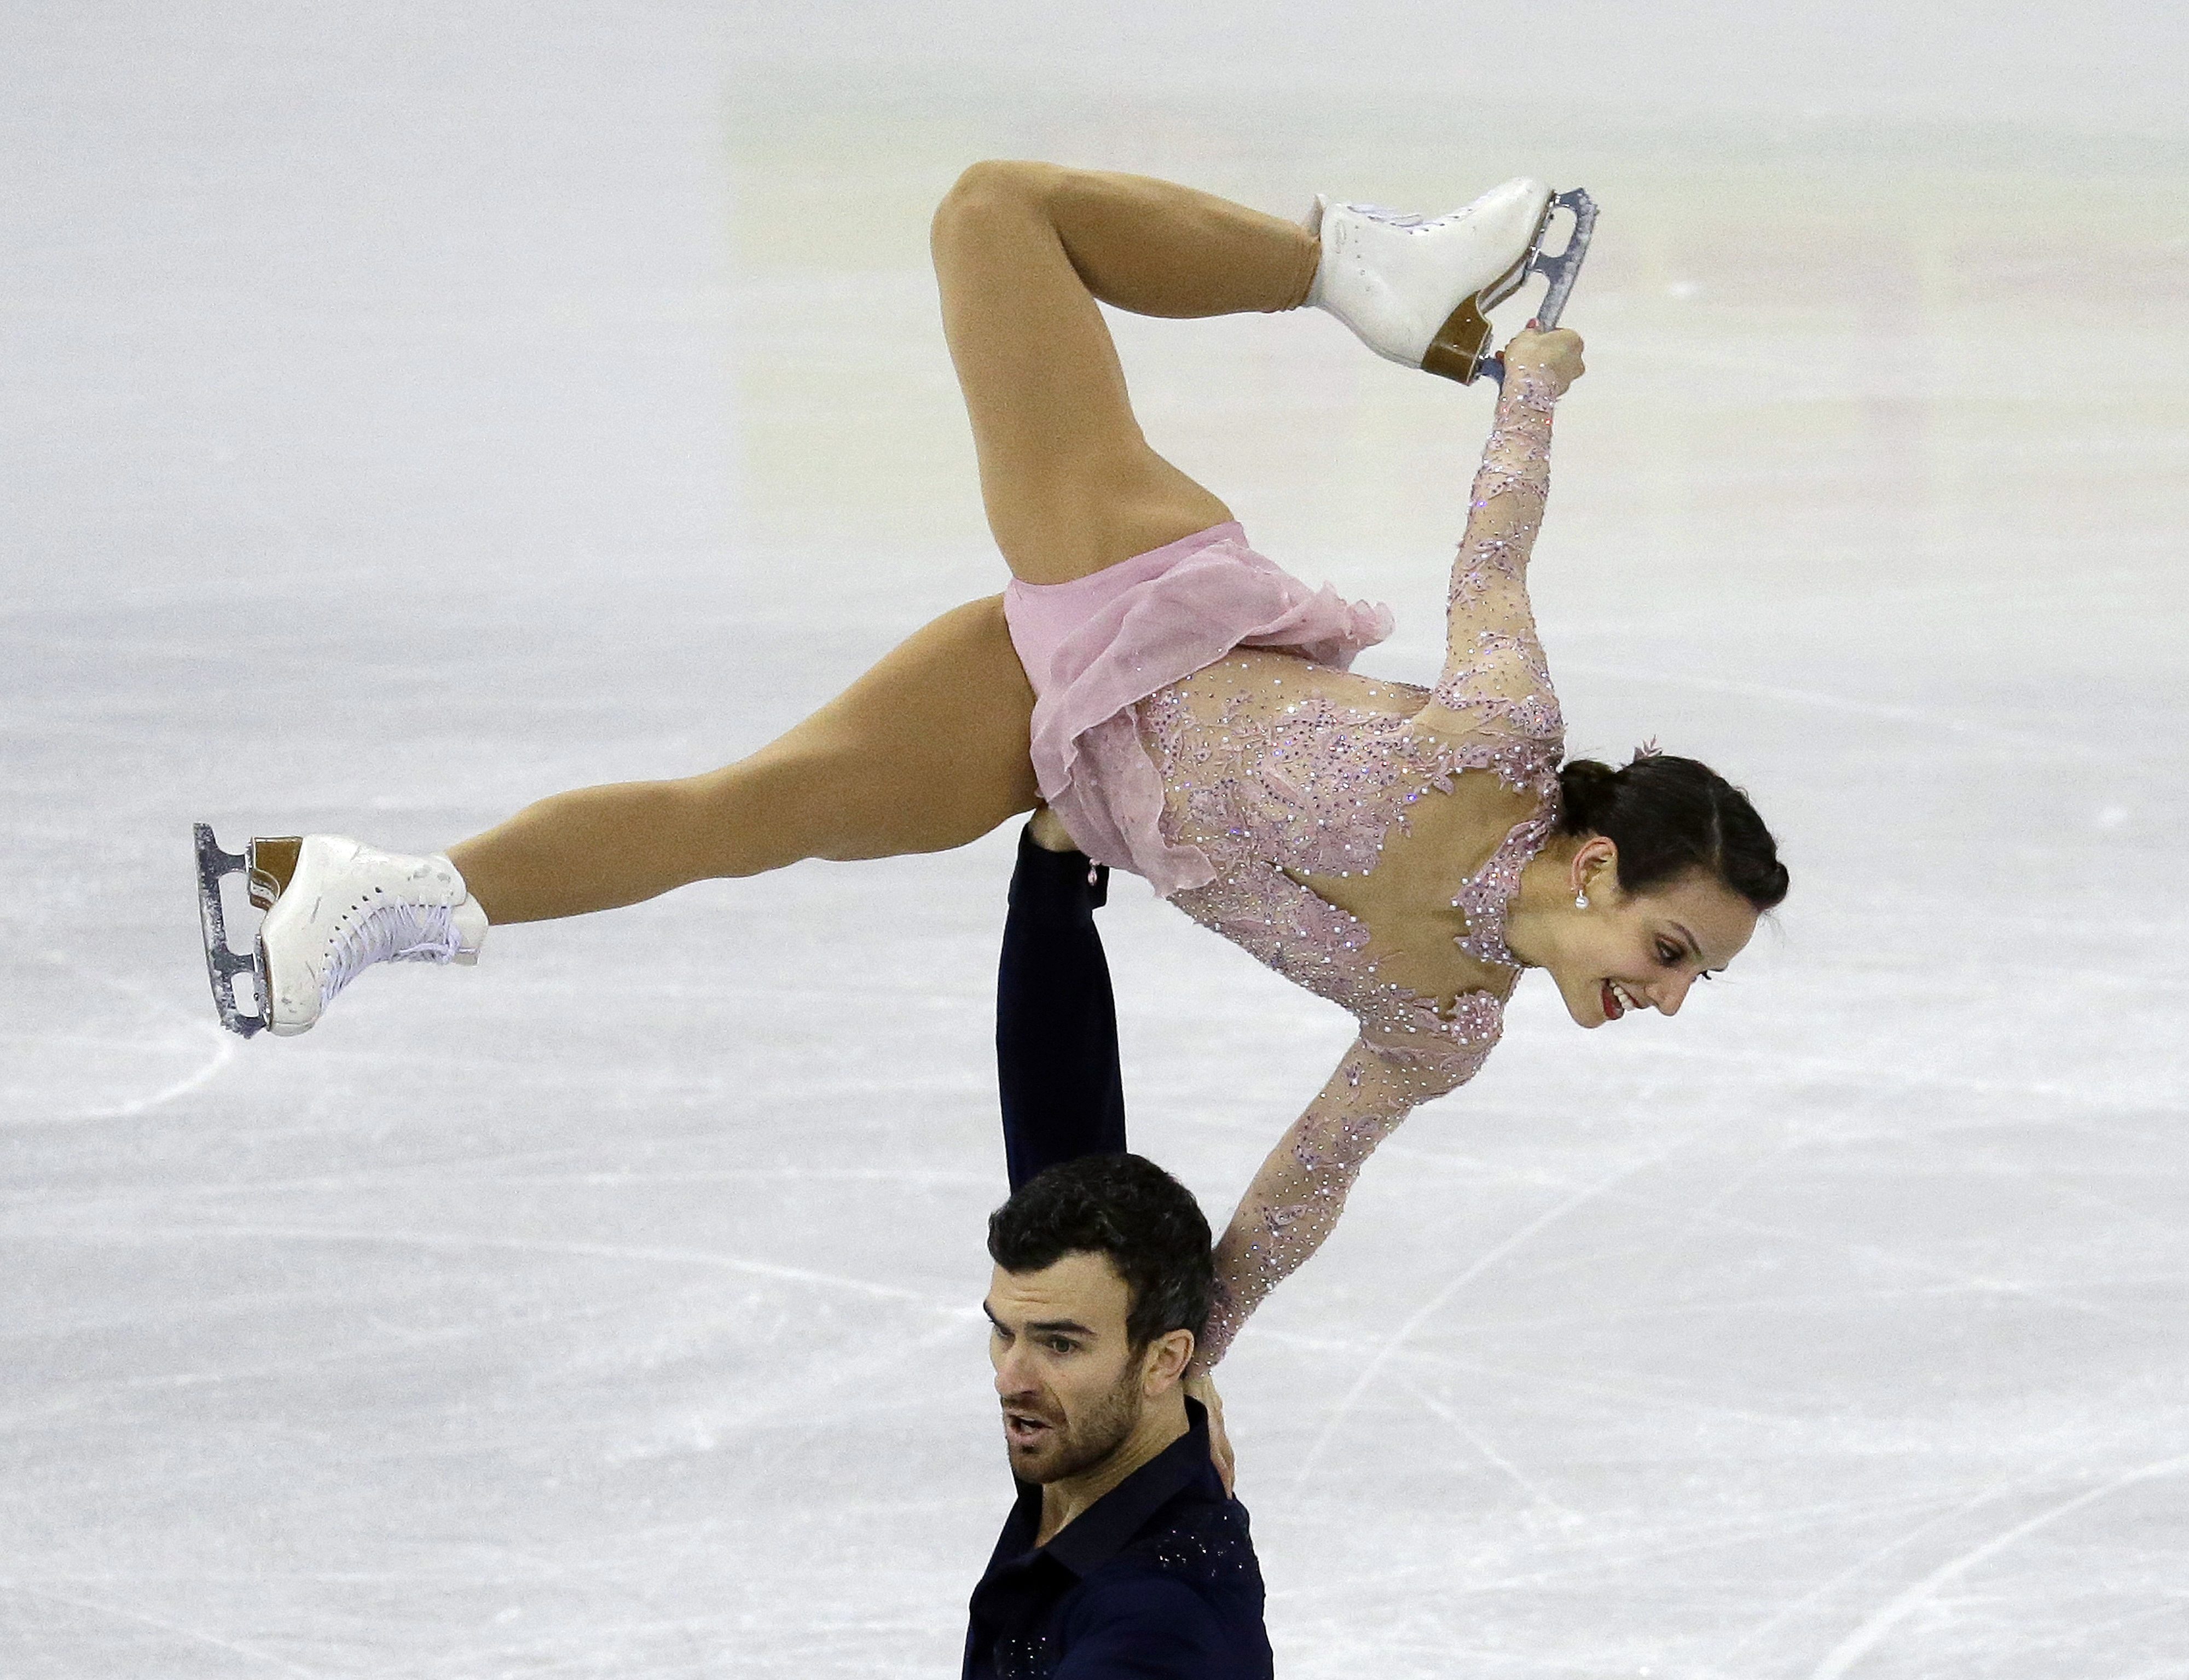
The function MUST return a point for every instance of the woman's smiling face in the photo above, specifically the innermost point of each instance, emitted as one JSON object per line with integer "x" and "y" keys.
{"x": 1627, "y": 951}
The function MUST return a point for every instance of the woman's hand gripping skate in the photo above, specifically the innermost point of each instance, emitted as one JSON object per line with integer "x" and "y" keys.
{"x": 1555, "y": 354}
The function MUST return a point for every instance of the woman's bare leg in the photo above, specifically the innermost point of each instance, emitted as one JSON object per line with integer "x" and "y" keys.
{"x": 1022, "y": 250}
{"x": 928, "y": 751}
{"x": 925, "y": 752}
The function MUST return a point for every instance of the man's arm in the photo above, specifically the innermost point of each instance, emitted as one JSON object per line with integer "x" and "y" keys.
{"x": 1056, "y": 1021}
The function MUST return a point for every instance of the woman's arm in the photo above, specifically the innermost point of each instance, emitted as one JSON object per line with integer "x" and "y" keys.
{"x": 1295, "y": 1199}
{"x": 1494, "y": 676}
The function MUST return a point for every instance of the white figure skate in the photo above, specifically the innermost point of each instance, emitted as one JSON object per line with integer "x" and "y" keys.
{"x": 334, "y": 908}
{"x": 1419, "y": 292}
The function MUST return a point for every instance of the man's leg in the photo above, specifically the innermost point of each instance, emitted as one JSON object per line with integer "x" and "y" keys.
{"x": 1056, "y": 1022}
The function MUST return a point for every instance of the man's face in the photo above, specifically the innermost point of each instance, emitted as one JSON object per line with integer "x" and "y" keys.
{"x": 1072, "y": 1387}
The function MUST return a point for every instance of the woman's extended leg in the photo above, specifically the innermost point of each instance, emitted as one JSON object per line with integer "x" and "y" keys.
{"x": 1022, "y": 250}
{"x": 925, "y": 752}
{"x": 928, "y": 751}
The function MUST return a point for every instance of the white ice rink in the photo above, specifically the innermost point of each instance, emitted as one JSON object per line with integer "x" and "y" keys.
{"x": 407, "y": 411}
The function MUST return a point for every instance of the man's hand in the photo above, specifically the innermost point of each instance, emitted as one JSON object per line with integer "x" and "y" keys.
{"x": 1049, "y": 833}
{"x": 1203, "y": 1387}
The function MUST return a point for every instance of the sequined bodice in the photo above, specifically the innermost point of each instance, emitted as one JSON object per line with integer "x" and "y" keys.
{"x": 1275, "y": 769}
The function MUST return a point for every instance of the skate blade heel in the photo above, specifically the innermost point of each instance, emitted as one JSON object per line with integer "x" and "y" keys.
{"x": 223, "y": 961}
{"x": 272, "y": 865}
{"x": 1456, "y": 352}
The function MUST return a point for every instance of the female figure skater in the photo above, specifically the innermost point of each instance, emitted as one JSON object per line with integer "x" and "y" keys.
{"x": 1181, "y": 706}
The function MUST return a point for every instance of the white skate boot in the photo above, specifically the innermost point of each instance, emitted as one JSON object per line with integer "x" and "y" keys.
{"x": 334, "y": 908}
{"x": 1419, "y": 292}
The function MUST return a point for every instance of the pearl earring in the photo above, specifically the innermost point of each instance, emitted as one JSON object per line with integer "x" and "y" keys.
{"x": 1580, "y": 900}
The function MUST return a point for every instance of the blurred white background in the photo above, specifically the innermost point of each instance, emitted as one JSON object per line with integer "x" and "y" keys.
{"x": 409, "y": 411}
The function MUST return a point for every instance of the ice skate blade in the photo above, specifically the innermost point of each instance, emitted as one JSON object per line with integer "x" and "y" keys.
{"x": 223, "y": 961}
{"x": 1563, "y": 268}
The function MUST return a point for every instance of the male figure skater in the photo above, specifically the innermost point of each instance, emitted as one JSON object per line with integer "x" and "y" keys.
{"x": 1124, "y": 1555}
{"x": 1056, "y": 1031}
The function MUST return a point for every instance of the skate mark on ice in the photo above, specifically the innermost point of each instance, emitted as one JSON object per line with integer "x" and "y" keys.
{"x": 1929, "y": 1279}
{"x": 2085, "y": 1093}
{"x": 1944, "y": 1280}
{"x": 386, "y": 1338}
{"x": 1937, "y": 1518}
{"x": 1712, "y": 1216}
{"x": 1629, "y": 1393}
{"x": 1774, "y": 612}
{"x": 197, "y": 1635}
{"x": 1881, "y": 710}
{"x": 594, "y": 1251}
{"x": 1429, "y": 1309}
{"x": 485, "y": 1172}
{"x": 896, "y": 1178}
{"x": 182, "y": 1031}
{"x": 206, "y": 1073}
{"x": 1513, "y": 1472}
{"x": 1640, "y": 1392}
{"x": 1590, "y": 1553}
{"x": 1856, "y": 1645}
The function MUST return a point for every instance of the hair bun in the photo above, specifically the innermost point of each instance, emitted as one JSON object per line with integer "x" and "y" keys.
{"x": 1668, "y": 815}
{"x": 1587, "y": 787}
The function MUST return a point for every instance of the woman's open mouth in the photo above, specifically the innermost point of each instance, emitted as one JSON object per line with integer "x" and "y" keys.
{"x": 1617, "y": 1000}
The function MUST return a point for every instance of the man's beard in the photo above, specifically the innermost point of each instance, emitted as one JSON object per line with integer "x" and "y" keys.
{"x": 1094, "y": 1437}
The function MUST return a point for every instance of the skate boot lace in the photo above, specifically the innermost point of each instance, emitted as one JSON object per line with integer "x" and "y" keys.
{"x": 388, "y": 933}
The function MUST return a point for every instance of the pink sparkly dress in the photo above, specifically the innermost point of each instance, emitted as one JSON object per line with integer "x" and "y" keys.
{"x": 1171, "y": 748}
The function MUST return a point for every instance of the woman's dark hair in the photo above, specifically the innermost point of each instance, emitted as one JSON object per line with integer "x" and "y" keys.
{"x": 1125, "y": 1206}
{"x": 1668, "y": 816}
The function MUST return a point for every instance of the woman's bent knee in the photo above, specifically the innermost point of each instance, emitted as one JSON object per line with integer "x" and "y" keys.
{"x": 993, "y": 191}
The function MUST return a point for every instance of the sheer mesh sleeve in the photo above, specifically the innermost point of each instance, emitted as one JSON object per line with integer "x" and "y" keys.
{"x": 1495, "y": 681}
{"x": 1296, "y": 1198}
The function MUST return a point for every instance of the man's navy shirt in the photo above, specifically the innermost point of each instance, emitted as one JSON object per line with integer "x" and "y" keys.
{"x": 1155, "y": 1579}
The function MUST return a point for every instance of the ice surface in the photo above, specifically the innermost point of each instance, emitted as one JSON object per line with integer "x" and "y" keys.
{"x": 409, "y": 412}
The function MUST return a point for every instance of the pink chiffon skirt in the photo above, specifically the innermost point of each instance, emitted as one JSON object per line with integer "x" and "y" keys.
{"x": 1095, "y": 647}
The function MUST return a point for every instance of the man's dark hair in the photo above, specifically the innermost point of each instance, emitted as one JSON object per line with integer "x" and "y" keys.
{"x": 1125, "y": 1206}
